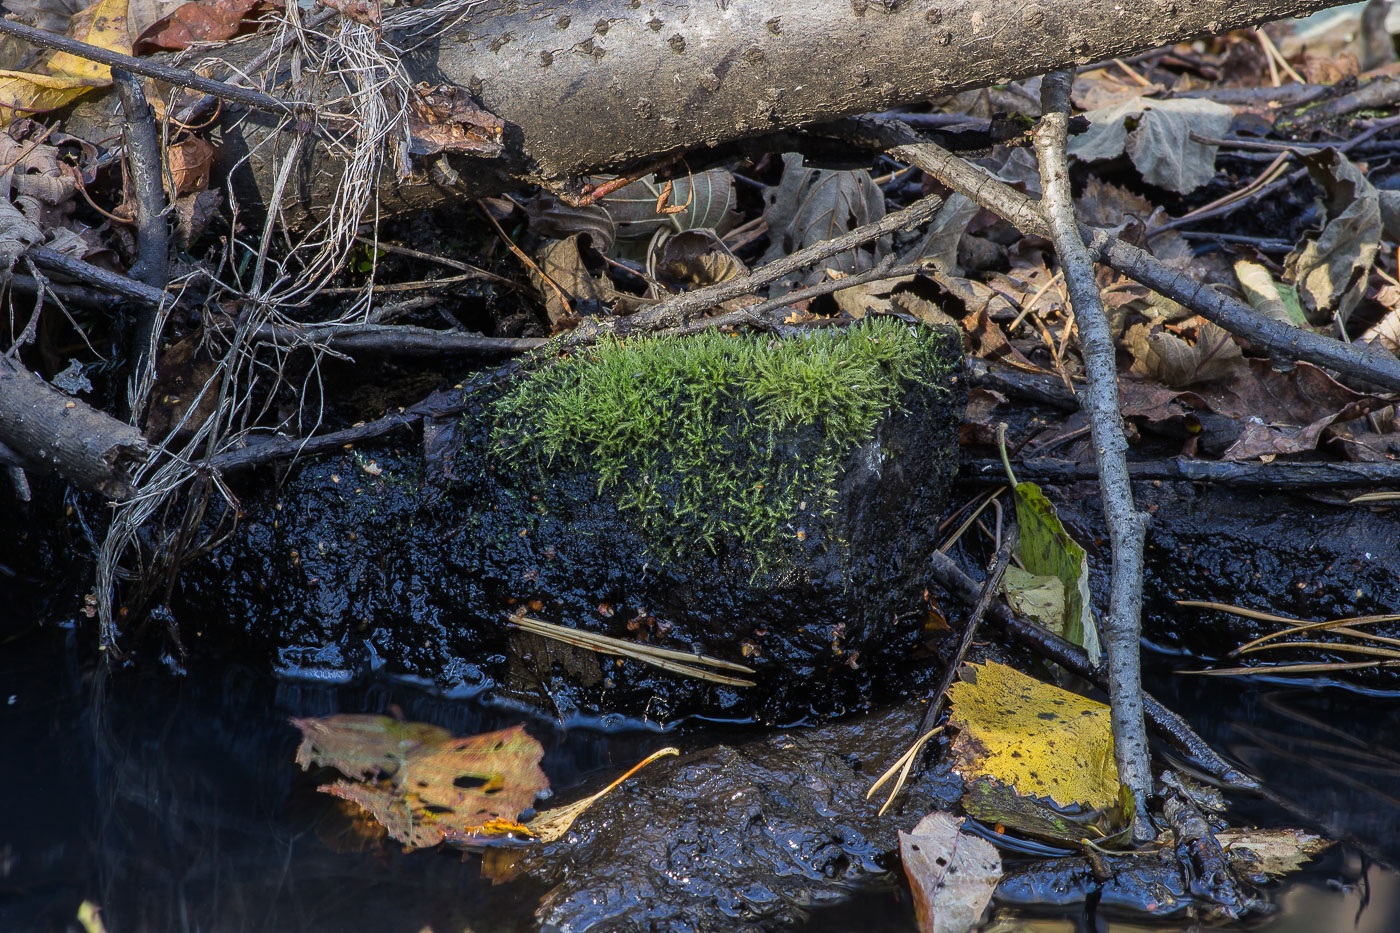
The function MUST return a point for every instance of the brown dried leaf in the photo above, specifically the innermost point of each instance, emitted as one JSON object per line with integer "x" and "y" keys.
{"x": 562, "y": 261}
{"x": 1331, "y": 269}
{"x": 989, "y": 343}
{"x": 1167, "y": 358}
{"x": 696, "y": 258}
{"x": 444, "y": 119}
{"x": 952, "y": 873}
{"x": 189, "y": 162}
{"x": 812, "y": 205}
{"x": 193, "y": 213}
{"x": 361, "y": 11}
{"x": 1261, "y": 440}
{"x": 202, "y": 21}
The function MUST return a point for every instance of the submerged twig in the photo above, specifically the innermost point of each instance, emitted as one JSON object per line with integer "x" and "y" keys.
{"x": 677, "y": 662}
{"x": 1127, "y": 526}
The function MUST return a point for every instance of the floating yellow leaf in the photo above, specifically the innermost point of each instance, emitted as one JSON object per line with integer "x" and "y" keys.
{"x": 363, "y": 746}
{"x": 1031, "y": 736}
{"x": 61, "y": 77}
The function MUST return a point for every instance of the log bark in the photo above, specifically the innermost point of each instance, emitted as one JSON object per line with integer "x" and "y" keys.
{"x": 594, "y": 85}
{"x": 51, "y": 432}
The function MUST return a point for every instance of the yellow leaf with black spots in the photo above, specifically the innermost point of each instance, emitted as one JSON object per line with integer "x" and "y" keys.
{"x": 1033, "y": 737}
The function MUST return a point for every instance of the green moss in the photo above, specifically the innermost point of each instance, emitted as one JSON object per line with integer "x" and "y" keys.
{"x": 715, "y": 439}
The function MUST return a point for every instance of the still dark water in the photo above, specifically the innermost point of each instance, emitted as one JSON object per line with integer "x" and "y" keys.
{"x": 173, "y": 803}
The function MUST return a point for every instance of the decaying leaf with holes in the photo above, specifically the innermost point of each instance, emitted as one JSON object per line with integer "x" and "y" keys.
{"x": 422, "y": 784}
{"x": 1033, "y": 737}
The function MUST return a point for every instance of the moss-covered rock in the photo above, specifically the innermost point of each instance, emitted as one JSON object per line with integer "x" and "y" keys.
{"x": 767, "y": 501}
{"x": 717, "y": 442}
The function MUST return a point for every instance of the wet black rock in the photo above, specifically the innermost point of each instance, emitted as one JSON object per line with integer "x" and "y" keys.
{"x": 367, "y": 559}
{"x": 746, "y": 837}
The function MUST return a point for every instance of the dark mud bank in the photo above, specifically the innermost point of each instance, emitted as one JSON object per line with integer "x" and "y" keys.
{"x": 786, "y": 531}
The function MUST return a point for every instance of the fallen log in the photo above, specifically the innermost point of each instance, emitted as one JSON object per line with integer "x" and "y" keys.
{"x": 595, "y": 85}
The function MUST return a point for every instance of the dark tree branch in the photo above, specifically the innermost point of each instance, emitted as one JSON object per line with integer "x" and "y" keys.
{"x": 55, "y": 433}
{"x": 655, "y": 80}
{"x": 1279, "y": 476}
{"x": 395, "y": 340}
{"x": 146, "y": 168}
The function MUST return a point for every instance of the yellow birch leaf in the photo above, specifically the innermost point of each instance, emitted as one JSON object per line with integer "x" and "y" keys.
{"x": 1032, "y": 736}
{"x": 420, "y": 783}
{"x": 23, "y": 93}
{"x": 102, "y": 24}
{"x": 61, "y": 76}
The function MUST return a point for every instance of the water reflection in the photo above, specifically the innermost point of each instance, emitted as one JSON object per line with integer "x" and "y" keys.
{"x": 173, "y": 803}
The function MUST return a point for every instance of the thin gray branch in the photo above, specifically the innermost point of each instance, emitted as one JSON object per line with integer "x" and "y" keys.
{"x": 1278, "y": 340}
{"x": 1127, "y": 526}
{"x": 677, "y": 310}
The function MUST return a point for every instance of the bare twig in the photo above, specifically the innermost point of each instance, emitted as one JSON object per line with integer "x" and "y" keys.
{"x": 394, "y": 340}
{"x": 675, "y": 311}
{"x": 1127, "y": 526}
{"x": 936, "y": 699}
{"x": 86, "y": 272}
{"x": 140, "y": 66}
{"x": 1199, "y": 851}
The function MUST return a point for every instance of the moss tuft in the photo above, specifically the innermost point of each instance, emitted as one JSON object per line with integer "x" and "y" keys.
{"x": 715, "y": 440}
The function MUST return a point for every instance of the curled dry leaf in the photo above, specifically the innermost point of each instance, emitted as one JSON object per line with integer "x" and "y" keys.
{"x": 1331, "y": 270}
{"x": 1160, "y": 142}
{"x": 1163, "y": 356}
{"x": 61, "y": 77}
{"x": 189, "y": 161}
{"x": 812, "y": 205}
{"x": 367, "y": 12}
{"x": 444, "y": 119}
